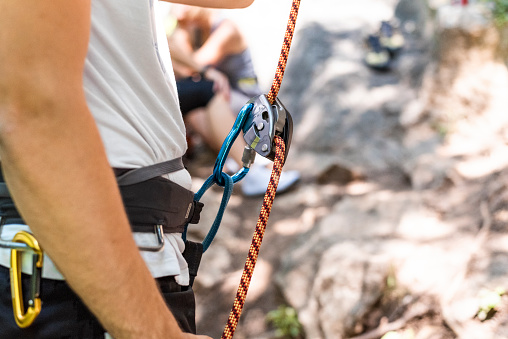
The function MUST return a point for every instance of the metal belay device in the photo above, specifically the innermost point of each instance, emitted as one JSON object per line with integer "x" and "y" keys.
{"x": 264, "y": 123}
{"x": 260, "y": 123}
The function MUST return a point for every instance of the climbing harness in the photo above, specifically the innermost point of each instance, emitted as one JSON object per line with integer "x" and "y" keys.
{"x": 153, "y": 205}
{"x": 267, "y": 129}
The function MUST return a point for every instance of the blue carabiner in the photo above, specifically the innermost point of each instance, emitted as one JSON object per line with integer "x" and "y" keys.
{"x": 228, "y": 190}
{"x": 226, "y": 147}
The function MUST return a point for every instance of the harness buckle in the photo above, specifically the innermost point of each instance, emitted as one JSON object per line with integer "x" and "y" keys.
{"x": 24, "y": 319}
{"x": 159, "y": 233}
{"x": 264, "y": 123}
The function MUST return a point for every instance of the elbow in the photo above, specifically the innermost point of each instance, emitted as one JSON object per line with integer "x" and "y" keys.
{"x": 232, "y": 4}
{"x": 23, "y": 102}
{"x": 245, "y": 3}
{"x": 13, "y": 113}
{"x": 8, "y": 109}
{"x": 248, "y": 3}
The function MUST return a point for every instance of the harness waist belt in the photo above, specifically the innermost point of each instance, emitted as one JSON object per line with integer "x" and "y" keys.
{"x": 148, "y": 198}
{"x": 159, "y": 201}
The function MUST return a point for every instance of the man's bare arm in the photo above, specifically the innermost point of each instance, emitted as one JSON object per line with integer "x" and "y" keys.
{"x": 215, "y": 3}
{"x": 56, "y": 168}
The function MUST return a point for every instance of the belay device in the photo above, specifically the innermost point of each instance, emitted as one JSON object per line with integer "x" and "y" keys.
{"x": 264, "y": 123}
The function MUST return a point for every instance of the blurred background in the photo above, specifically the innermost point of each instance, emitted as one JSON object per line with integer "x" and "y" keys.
{"x": 398, "y": 227}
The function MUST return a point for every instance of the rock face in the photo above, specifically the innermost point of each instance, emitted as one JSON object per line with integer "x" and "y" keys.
{"x": 394, "y": 125}
{"x": 399, "y": 222}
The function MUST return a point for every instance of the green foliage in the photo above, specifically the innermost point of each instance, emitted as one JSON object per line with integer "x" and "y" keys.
{"x": 499, "y": 10}
{"x": 442, "y": 127}
{"x": 408, "y": 334}
{"x": 285, "y": 321}
{"x": 391, "y": 280}
{"x": 391, "y": 335}
{"x": 489, "y": 301}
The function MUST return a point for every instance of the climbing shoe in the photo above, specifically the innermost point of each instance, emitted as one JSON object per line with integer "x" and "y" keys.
{"x": 377, "y": 56}
{"x": 390, "y": 37}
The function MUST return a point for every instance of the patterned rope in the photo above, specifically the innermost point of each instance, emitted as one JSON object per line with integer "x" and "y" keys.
{"x": 257, "y": 238}
{"x": 283, "y": 58}
{"x": 280, "y": 150}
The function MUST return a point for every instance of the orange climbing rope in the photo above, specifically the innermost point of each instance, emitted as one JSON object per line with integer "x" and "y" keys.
{"x": 283, "y": 58}
{"x": 257, "y": 238}
{"x": 280, "y": 150}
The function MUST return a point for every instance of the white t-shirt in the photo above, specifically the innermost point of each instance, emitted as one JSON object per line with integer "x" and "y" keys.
{"x": 131, "y": 92}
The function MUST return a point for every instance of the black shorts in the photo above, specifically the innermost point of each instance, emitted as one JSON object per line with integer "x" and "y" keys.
{"x": 63, "y": 315}
{"x": 194, "y": 93}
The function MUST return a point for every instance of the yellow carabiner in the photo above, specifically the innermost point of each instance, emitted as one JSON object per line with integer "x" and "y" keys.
{"x": 23, "y": 319}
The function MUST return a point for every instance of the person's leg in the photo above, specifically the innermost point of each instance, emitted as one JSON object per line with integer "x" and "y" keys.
{"x": 194, "y": 94}
{"x": 214, "y": 123}
{"x": 238, "y": 100}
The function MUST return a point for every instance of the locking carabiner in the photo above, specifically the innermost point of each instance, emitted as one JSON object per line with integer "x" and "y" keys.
{"x": 24, "y": 319}
{"x": 226, "y": 147}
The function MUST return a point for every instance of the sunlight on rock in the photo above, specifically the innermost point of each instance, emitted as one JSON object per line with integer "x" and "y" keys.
{"x": 465, "y": 17}
{"x": 433, "y": 268}
{"x": 339, "y": 67}
{"x": 499, "y": 243}
{"x": 468, "y": 143}
{"x": 360, "y": 188}
{"x": 423, "y": 225}
{"x": 309, "y": 123}
{"x": 291, "y": 226}
{"x": 350, "y": 49}
{"x": 311, "y": 216}
{"x": 502, "y": 216}
{"x": 213, "y": 266}
{"x": 311, "y": 197}
{"x": 481, "y": 166}
{"x": 465, "y": 309}
{"x": 377, "y": 11}
{"x": 235, "y": 200}
{"x": 356, "y": 96}
{"x": 378, "y": 96}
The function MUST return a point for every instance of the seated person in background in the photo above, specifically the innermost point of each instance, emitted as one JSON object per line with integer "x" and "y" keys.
{"x": 212, "y": 93}
{"x": 215, "y": 42}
